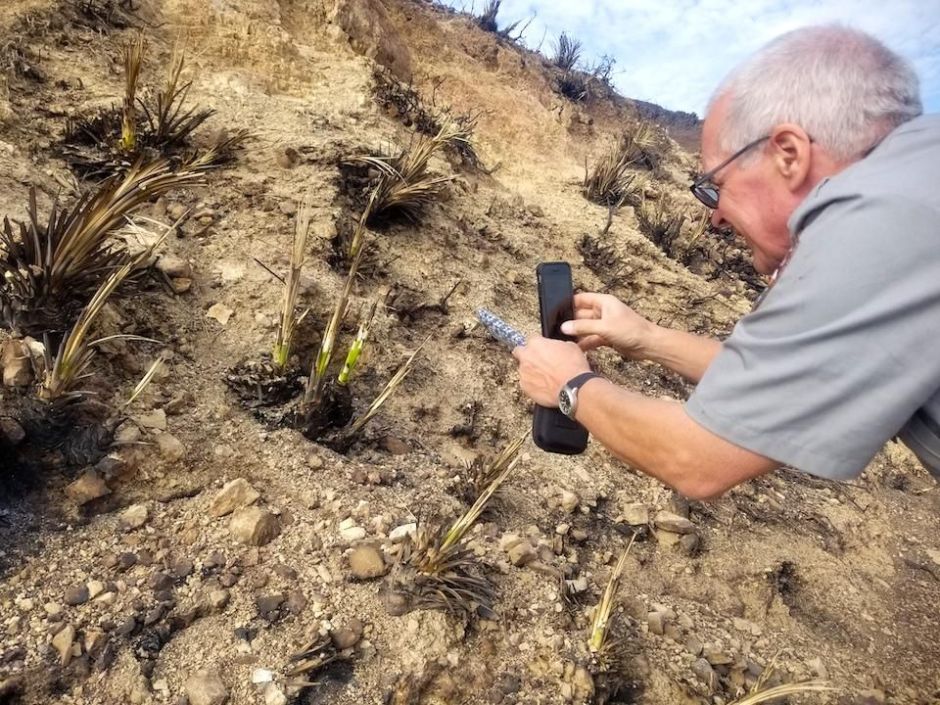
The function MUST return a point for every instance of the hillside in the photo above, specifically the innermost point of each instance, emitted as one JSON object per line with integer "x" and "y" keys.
{"x": 187, "y": 547}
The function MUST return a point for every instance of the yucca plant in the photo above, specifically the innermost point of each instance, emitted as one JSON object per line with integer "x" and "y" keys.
{"x": 484, "y": 472}
{"x": 613, "y": 181}
{"x": 661, "y": 222}
{"x": 487, "y": 20}
{"x": 782, "y": 691}
{"x": 169, "y": 122}
{"x": 567, "y": 52}
{"x": 441, "y": 570}
{"x": 317, "y": 653}
{"x": 290, "y": 318}
{"x": 51, "y": 270}
{"x": 133, "y": 56}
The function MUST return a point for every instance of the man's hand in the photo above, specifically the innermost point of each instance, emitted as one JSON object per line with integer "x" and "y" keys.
{"x": 545, "y": 366}
{"x": 603, "y": 320}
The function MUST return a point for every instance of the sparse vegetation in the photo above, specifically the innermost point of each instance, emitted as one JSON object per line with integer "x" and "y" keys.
{"x": 614, "y": 180}
{"x": 662, "y": 223}
{"x": 567, "y": 53}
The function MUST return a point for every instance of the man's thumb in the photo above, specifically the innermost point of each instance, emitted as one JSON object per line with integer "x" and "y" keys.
{"x": 583, "y": 327}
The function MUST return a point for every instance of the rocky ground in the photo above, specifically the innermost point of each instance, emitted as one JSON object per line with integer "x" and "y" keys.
{"x": 203, "y": 548}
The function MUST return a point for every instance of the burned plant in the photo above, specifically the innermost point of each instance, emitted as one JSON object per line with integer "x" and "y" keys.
{"x": 150, "y": 124}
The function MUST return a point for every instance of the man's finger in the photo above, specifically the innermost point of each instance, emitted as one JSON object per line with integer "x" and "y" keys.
{"x": 591, "y": 342}
{"x": 582, "y": 326}
{"x": 587, "y": 299}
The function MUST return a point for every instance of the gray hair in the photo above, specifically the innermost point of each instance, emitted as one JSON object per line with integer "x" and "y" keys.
{"x": 844, "y": 87}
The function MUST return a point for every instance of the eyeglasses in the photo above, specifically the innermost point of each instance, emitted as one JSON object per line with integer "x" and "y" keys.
{"x": 705, "y": 190}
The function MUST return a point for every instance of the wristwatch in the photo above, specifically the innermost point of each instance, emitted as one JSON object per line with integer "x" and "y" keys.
{"x": 568, "y": 396}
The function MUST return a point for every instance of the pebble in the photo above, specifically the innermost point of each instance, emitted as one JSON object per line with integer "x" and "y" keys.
{"x": 273, "y": 695}
{"x": 635, "y": 514}
{"x": 87, "y": 488}
{"x": 254, "y": 526}
{"x": 704, "y": 671}
{"x": 174, "y": 266}
{"x": 269, "y": 603}
{"x": 400, "y": 532}
{"x": 673, "y": 523}
{"x": 656, "y": 622}
{"x": 569, "y": 500}
{"x": 62, "y": 643}
{"x": 95, "y": 588}
{"x": 16, "y": 363}
{"x": 522, "y": 553}
{"x": 234, "y": 495}
{"x": 170, "y": 447}
{"x": 366, "y": 562}
{"x": 348, "y": 636}
{"x": 220, "y": 312}
{"x": 206, "y": 688}
{"x": 690, "y": 545}
{"x": 133, "y": 517}
{"x": 155, "y": 420}
{"x": 76, "y": 595}
{"x": 218, "y": 599}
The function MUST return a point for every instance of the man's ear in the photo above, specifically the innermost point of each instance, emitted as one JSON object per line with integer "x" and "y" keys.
{"x": 791, "y": 151}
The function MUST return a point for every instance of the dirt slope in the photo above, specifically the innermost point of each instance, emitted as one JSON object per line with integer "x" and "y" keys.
{"x": 833, "y": 580}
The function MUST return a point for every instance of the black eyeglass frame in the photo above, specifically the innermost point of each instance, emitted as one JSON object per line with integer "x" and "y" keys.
{"x": 705, "y": 190}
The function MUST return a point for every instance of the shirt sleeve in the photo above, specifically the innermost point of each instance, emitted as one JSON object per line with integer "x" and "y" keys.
{"x": 844, "y": 348}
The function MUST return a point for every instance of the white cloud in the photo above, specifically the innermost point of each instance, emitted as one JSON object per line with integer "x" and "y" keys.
{"x": 675, "y": 52}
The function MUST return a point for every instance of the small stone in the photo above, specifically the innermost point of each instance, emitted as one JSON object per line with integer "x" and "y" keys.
{"x": 218, "y": 599}
{"x": 87, "y": 488}
{"x": 569, "y": 500}
{"x": 155, "y": 420}
{"x": 220, "y": 312}
{"x": 17, "y": 364}
{"x": 170, "y": 447}
{"x": 690, "y": 545}
{"x": 705, "y": 673}
{"x": 400, "y": 532}
{"x": 269, "y": 603}
{"x": 11, "y": 430}
{"x": 348, "y": 636}
{"x": 635, "y": 514}
{"x": 673, "y": 522}
{"x": 694, "y": 645}
{"x": 182, "y": 568}
{"x": 133, "y": 517}
{"x": 287, "y": 158}
{"x": 174, "y": 266}
{"x": 180, "y": 285}
{"x": 234, "y": 495}
{"x": 62, "y": 643}
{"x": 667, "y": 538}
{"x": 395, "y": 446}
{"x": 206, "y": 688}
{"x": 126, "y": 434}
{"x": 296, "y": 602}
{"x": 273, "y": 695}
{"x": 366, "y": 562}
{"x": 76, "y": 595}
{"x": 254, "y": 526}
{"x": 160, "y": 581}
{"x": 656, "y": 622}
{"x": 715, "y": 656}
{"x": 522, "y": 554}
{"x": 582, "y": 685}
{"x": 349, "y": 531}
{"x": 95, "y": 588}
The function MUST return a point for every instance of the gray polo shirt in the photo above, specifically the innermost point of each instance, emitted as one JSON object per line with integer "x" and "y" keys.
{"x": 844, "y": 350}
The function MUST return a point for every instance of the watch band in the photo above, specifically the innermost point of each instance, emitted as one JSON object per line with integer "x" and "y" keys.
{"x": 576, "y": 382}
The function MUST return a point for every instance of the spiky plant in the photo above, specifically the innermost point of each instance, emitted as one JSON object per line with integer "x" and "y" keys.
{"x": 483, "y": 473}
{"x": 51, "y": 270}
{"x": 573, "y": 85}
{"x": 145, "y": 381}
{"x": 290, "y": 318}
{"x": 567, "y": 52}
{"x": 781, "y": 691}
{"x": 661, "y": 223}
{"x": 133, "y": 56}
{"x": 316, "y": 653}
{"x": 70, "y": 366}
{"x": 444, "y": 569}
{"x": 487, "y": 20}
{"x": 170, "y": 123}
{"x": 600, "y": 626}
{"x": 356, "y": 347}
{"x": 612, "y": 182}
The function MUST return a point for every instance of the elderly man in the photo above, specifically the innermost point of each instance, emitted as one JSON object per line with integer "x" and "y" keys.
{"x": 816, "y": 153}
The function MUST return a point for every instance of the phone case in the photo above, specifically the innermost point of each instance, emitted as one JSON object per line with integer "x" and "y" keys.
{"x": 552, "y": 431}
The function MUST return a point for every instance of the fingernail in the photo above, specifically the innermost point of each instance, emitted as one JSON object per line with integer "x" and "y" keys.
{"x": 567, "y": 327}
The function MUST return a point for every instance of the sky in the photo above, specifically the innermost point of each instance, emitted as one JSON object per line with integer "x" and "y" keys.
{"x": 675, "y": 52}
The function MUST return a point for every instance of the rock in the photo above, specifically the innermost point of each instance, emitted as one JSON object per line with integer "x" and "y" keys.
{"x": 370, "y": 32}
{"x": 126, "y": 434}
{"x": 181, "y": 568}
{"x": 690, "y": 545}
{"x": 220, "y": 312}
{"x": 206, "y": 688}
{"x": 656, "y": 622}
{"x": 218, "y": 599}
{"x": 582, "y": 685}
{"x": 400, "y": 532}
{"x": 254, "y": 526}
{"x": 715, "y": 656}
{"x": 234, "y": 495}
{"x": 170, "y": 447}
{"x": 62, "y": 643}
{"x": 296, "y": 602}
{"x": 155, "y": 420}
{"x": 76, "y": 595}
{"x": 180, "y": 285}
{"x": 273, "y": 695}
{"x": 668, "y": 521}
{"x": 133, "y": 517}
{"x": 348, "y": 636}
{"x": 287, "y": 158}
{"x": 705, "y": 673}
{"x": 522, "y": 553}
{"x": 635, "y": 514}
{"x": 174, "y": 266}
{"x": 87, "y": 488}
{"x": 667, "y": 538}
{"x": 694, "y": 645}
{"x": 395, "y": 446}
{"x": 366, "y": 562}
{"x": 349, "y": 531}
{"x": 569, "y": 500}
{"x": 17, "y": 364}
{"x": 11, "y": 431}
{"x": 95, "y": 588}
{"x": 269, "y": 603}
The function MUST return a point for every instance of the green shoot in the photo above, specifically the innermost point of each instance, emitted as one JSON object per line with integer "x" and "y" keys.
{"x": 355, "y": 350}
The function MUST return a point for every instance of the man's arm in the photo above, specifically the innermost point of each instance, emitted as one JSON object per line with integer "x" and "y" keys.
{"x": 603, "y": 320}
{"x": 684, "y": 353}
{"x": 657, "y": 437}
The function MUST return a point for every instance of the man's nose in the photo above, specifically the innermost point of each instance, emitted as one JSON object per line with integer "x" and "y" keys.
{"x": 718, "y": 220}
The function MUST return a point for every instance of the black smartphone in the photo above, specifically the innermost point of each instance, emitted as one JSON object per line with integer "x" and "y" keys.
{"x": 552, "y": 431}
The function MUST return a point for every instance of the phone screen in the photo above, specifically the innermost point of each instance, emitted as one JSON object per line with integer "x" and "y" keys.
{"x": 556, "y": 298}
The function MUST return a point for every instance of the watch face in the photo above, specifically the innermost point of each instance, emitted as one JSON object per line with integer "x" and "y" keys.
{"x": 564, "y": 402}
